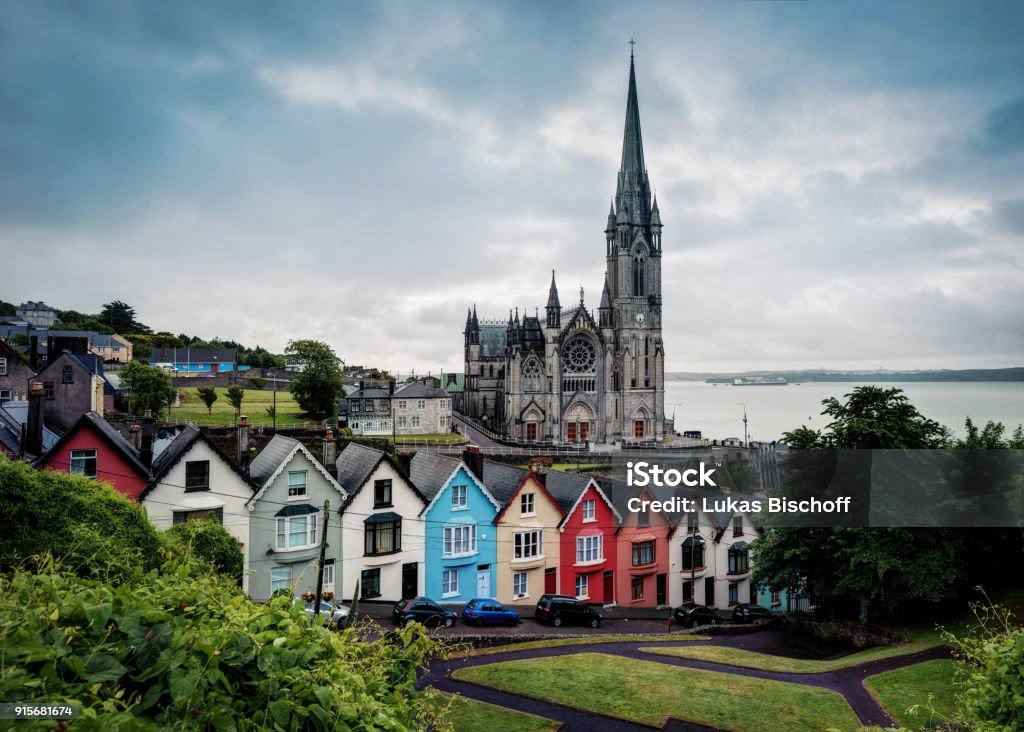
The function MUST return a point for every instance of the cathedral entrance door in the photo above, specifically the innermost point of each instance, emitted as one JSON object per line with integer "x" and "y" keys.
{"x": 570, "y": 432}
{"x": 584, "y": 429}
{"x": 531, "y": 432}
{"x": 638, "y": 429}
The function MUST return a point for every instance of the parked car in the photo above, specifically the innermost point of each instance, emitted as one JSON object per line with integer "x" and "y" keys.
{"x": 330, "y": 612}
{"x": 422, "y": 610}
{"x": 485, "y": 610}
{"x": 690, "y": 615}
{"x": 559, "y": 609}
{"x": 748, "y": 612}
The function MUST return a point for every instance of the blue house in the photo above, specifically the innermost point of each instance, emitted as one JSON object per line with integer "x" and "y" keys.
{"x": 461, "y": 551}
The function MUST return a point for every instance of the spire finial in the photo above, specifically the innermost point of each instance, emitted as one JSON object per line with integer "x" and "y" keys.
{"x": 581, "y": 293}
{"x": 631, "y": 44}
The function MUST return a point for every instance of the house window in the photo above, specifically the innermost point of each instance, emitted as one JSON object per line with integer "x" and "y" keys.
{"x": 737, "y": 526}
{"x": 415, "y": 421}
{"x": 527, "y": 506}
{"x": 691, "y": 523}
{"x": 3, "y": 367}
{"x": 527, "y": 544}
{"x": 280, "y": 579}
{"x": 590, "y": 510}
{"x": 197, "y": 475}
{"x": 582, "y": 587}
{"x": 381, "y": 493}
{"x": 401, "y": 404}
{"x": 687, "y": 591}
{"x": 520, "y": 587}
{"x": 48, "y": 389}
{"x": 693, "y": 556}
{"x": 5, "y": 396}
{"x": 589, "y": 549}
{"x": 643, "y": 553}
{"x": 68, "y": 375}
{"x": 734, "y": 593}
{"x": 83, "y": 462}
{"x": 328, "y": 572}
{"x": 738, "y": 562}
{"x": 642, "y": 517}
{"x": 459, "y": 497}
{"x": 776, "y": 597}
{"x": 459, "y": 541}
{"x": 369, "y": 582}
{"x": 421, "y": 404}
{"x": 401, "y": 421}
{"x": 449, "y": 583}
{"x": 382, "y": 537}
{"x": 355, "y": 406}
{"x": 636, "y": 588}
{"x": 297, "y": 484}
{"x": 296, "y": 532}
{"x": 216, "y": 514}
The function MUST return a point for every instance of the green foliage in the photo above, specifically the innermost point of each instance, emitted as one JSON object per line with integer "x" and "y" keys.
{"x": 317, "y": 387}
{"x": 991, "y": 677}
{"x": 209, "y": 541}
{"x": 149, "y": 387}
{"x": 121, "y": 317}
{"x": 7, "y": 308}
{"x": 236, "y": 395}
{"x": 95, "y": 529}
{"x": 258, "y": 382}
{"x": 209, "y": 395}
{"x": 180, "y": 649}
{"x": 74, "y": 320}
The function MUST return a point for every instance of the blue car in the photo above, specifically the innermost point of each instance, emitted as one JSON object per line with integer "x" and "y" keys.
{"x": 485, "y": 610}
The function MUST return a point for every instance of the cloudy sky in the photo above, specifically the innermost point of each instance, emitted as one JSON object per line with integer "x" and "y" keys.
{"x": 841, "y": 182}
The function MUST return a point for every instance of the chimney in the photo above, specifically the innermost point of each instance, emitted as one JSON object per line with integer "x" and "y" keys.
{"x": 362, "y": 385}
{"x": 33, "y": 353}
{"x": 541, "y": 478}
{"x": 135, "y": 433}
{"x": 34, "y": 434}
{"x": 474, "y": 460}
{"x": 405, "y": 463}
{"x": 330, "y": 450}
{"x": 391, "y": 387}
{"x": 243, "y": 440}
{"x": 146, "y": 442}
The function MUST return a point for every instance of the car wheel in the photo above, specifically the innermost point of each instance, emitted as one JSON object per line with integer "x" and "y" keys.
{"x": 448, "y": 622}
{"x": 594, "y": 622}
{"x": 513, "y": 623}
{"x": 478, "y": 623}
{"x": 557, "y": 622}
{"x": 714, "y": 621}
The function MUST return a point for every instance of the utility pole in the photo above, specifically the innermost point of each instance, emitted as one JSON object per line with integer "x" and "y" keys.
{"x": 741, "y": 404}
{"x": 274, "y": 377}
{"x": 320, "y": 567}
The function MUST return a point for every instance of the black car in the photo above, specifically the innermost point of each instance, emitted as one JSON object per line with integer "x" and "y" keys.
{"x": 688, "y": 616}
{"x": 748, "y": 612}
{"x": 558, "y": 609}
{"x": 422, "y": 610}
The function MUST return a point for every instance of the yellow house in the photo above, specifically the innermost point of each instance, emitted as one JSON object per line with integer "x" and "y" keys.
{"x": 527, "y": 534}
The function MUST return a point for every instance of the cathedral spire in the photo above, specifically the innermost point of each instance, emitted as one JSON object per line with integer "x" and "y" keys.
{"x": 553, "y": 293}
{"x": 553, "y": 311}
{"x": 606, "y": 295}
{"x": 633, "y": 192}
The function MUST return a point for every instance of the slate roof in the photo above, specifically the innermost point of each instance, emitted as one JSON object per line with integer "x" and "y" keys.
{"x": 420, "y": 390}
{"x": 430, "y": 471}
{"x": 270, "y": 458}
{"x": 369, "y": 394}
{"x": 170, "y": 454}
{"x": 193, "y": 355}
{"x": 12, "y": 416}
{"x": 503, "y": 480}
{"x": 110, "y": 434}
{"x": 355, "y": 464}
{"x": 565, "y": 488}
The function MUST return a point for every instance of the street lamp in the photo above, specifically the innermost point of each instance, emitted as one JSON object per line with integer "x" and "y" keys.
{"x": 741, "y": 404}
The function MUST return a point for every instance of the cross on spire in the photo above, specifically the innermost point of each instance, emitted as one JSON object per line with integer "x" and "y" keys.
{"x": 631, "y": 44}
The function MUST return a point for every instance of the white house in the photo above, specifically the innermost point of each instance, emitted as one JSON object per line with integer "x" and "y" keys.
{"x": 193, "y": 479}
{"x": 382, "y": 529}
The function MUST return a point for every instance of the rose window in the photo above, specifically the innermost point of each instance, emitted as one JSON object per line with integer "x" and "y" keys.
{"x": 579, "y": 356}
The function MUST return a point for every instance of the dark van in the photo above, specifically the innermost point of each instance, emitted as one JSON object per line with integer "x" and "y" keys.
{"x": 559, "y": 609}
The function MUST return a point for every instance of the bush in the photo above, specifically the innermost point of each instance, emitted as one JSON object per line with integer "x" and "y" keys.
{"x": 210, "y": 542}
{"x": 95, "y": 529}
{"x": 991, "y": 679}
{"x": 186, "y": 650}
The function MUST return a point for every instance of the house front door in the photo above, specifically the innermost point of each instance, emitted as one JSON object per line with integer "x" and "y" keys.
{"x": 709, "y": 591}
{"x": 550, "y": 581}
{"x": 662, "y": 588}
{"x": 483, "y": 580}
{"x": 609, "y": 587}
{"x": 410, "y": 579}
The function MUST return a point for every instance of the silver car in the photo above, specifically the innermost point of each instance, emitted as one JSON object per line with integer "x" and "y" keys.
{"x": 330, "y": 612}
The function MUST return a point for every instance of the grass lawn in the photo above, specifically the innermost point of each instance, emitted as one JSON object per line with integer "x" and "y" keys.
{"x": 469, "y": 715}
{"x": 767, "y": 662}
{"x": 580, "y": 640}
{"x": 254, "y": 406}
{"x": 898, "y": 690}
{"x": 650, "y": 693}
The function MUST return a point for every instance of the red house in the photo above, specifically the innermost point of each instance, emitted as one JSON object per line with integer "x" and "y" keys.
{"x": 589, "y": 556}
{"x": 643, "y": 547}
{"x": 92, "y": 447}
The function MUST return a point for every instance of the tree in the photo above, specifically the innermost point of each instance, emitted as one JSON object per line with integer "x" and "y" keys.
{"x": 208, "y": 540}
{"x": 317, "y": 387}
{"x": 209, "y": 395}
{"x": 235, "y": 395}
{"x": 877, "y": 571}
{"x": 149, "y": 388}
{"x": 258, "y": 383}
{"x": 121, "y": 317}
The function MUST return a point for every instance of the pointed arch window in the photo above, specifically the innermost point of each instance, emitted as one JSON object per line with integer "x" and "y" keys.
{"x": 639, "y": 274}
{"x": 532, "y": 376}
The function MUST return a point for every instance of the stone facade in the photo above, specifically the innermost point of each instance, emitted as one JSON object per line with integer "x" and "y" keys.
{"x": 576, "y": 374}
{"x": 15, "y": 375}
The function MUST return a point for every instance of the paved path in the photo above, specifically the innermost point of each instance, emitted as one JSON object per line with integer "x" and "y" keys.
{"x": 846, "y": 682}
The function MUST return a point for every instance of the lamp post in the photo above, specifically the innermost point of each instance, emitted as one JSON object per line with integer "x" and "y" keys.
{"x": 741, "y": 404}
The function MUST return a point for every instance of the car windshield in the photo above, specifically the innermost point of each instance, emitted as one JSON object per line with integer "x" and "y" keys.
{"x": 472, "y": 604}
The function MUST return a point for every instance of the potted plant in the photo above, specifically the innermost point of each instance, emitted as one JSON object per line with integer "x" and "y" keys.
{"x": 308, "y": 596}
{"x": 327, "y": 595}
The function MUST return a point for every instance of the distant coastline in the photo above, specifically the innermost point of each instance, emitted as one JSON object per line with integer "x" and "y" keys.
{"x": 1015, "y": 373}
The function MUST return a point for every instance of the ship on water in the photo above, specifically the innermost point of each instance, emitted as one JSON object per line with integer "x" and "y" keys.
{"x": 760, "y": 381}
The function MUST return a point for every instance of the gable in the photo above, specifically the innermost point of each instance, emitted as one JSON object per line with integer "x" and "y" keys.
{"x": 531, "y": 484}
{"x": 462, "y": 475}
{"x": 300, "y": 459}
{"x": 592, "y": 491}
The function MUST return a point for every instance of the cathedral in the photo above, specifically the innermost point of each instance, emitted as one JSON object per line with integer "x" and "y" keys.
{"x": 573, "y": 375}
